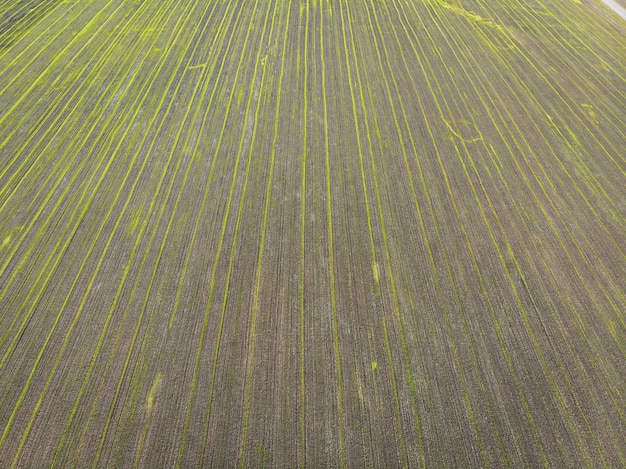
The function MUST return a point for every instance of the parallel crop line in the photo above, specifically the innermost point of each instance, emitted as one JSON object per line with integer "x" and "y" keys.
{"x": 498, "y": 250}
{"x": 210, "y": 177}
{"x": 79, "y": 135}
{"x": 52, "y": 26}
{"x": 303, "y": 200}
{"x": 222, "y": 236}
{"x": 129, "y": 354}
{"x": 582, "y": 63}
{"x": 566, "y": 140}
{"x": 354, "y": 55}
{"x": 56, "y": 251}
{"x": 556, "y": 211}
{"x": 59, "y": 57}
{"x": 207, "y": 72}
{"x": 133, "y": 292}
{"x": 219, "y": 247}
{"x": 12, "y": 27}
{"x": 417, "y": 42}
{"x": 579, "y": 15}
{"x": 566, "y": 376}
{"x": 537, "y": 161}
{"x": 50, "y": 218}
{"x": 233, "y": 249}
{"x": 99, "y": 263}
{"x": 550, "y": 201}
{"x": 8, "y": 4}
{"x": 24, "y": 21}
{"x": 19, "y": 155}
{"x": 268, "y": 196}
{"x": 578, "y": 322}
{"x": 516, "y": 294}
{"x": 502, "y": 342}
{"x": 99, "y": 59}
{"x": 427, "y": 243}
{"x": 573, "y": 112}
{"x": 331, "y": 255}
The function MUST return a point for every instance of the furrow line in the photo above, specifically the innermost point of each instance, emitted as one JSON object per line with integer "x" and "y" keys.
{"x": 521, "y": 307}
{"x": 99, "y": 58}
{"x": 473, "y": 255}
{"x": 220, "y": 242}
{"x": 80, "y": 139}
{"x": 303, "y": 202}
{"x": 347, "y": 25}
{"x": 455, "y": 351}
{"x": 268, "y": 194}
{"x": 59, "y": 57}
{"x": 98, "y": 266}
{"x": 572, "y": 238}
{"x": 175, "y": 146}
{"x": 331, "y": 257}
{"x": 69, "y": 228}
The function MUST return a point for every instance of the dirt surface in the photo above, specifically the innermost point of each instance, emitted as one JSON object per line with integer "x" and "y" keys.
{"x": 617, "y": 6}
{"x": 321, "y": 233}
{"x": 621, "y": 3}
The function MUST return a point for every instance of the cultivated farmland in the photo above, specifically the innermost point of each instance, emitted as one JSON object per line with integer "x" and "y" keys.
{"x": 325, "y": 233}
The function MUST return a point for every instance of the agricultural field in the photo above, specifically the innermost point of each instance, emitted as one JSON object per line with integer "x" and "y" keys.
{"x": 322, "y": 233}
